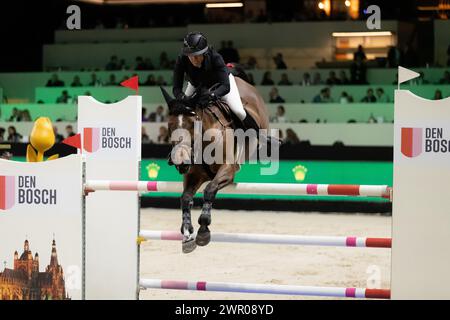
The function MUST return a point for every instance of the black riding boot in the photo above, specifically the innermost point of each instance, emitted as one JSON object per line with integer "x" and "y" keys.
{"x": 250, "y": 123}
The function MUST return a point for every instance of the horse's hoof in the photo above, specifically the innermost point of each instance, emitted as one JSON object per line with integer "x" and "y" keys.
{"x": 203, "y": 236}
{"x": 188, "y": 245}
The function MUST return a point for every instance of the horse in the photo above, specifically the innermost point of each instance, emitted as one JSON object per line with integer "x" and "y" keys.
{"x": 215, "y": 115}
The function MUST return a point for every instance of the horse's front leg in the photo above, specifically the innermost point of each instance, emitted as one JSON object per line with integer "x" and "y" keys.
{"x": 191, "y": 185}
{"x": 224, "y": 176}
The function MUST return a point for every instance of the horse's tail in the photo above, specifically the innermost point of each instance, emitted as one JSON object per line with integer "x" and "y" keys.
{"x": 237, "y": 70}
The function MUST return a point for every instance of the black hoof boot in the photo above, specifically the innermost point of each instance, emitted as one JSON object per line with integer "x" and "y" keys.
{"x": 203, "y": 233}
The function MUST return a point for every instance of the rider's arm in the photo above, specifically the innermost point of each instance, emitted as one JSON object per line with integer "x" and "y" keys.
{"x": 178, "y": 78}
{"x": 222, "y": 76}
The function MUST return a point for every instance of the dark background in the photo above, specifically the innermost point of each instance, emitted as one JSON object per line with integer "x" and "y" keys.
{"x": 26, "y": 25}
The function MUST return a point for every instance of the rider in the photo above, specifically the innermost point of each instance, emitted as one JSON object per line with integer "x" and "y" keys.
{"x": 205, "y": 67}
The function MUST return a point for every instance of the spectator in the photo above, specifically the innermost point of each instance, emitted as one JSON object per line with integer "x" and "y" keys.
{"x": 344, "y": 98}
{"x": 280, "y": 134}
{"x": 58, "y": 137}
{"x": 280, "y": 115}
{"x": 145, "y": 138}
{"x": 2, "y": 134}
{"x": 448, "y": 56}
{"x": 370, "y": 97}
{"x": 150, "y": 81}
{"x": 267, "y": 79}
{"x": 160, "y": 81}
{"x": 6, "y": 155}
{"x": 144, "y": 115}
{"x": 279, "y": 62}
{"x": 332, "y": 80}
{"x": 69, "y": 131}
{"x": 122, "y": 65}
{"x": 275, "y": 97}
{"x": 438, "y": 95}
{"x": 233, "y": 54}
{"x": 306, "y": 80}
{"x": 317, "y": 79}
{"x": 446, "y": 78}
{"x": 323, "y": 97}
{"x": 372, "y": 119}
{"x": 99, "y": 25}
{"x": 359, "y": 54}
{"x": 250, "y": 79}
{"x": 393, "y": 57}
{"x": 125, "y": 78}
{"x": 113, "y": 64}
{"x": 163, "y": 136}
{"x": 140, "y": 65}
{"x": 13, "y": 135}
{"x": 149, "y": 64}
{"x": 64, "y": 98}
{"x": 164, "y": 62}
{"x": 249, "y": 16}
{"x": 291, "y": 137}
{"x": 381, "y": 96}
{"x": 95, "y": 82}
{"x": 396, "y": 79}
{"x": 358, "y": 71}
{"x": 121, "y": 24}
{"x": 262, "y": 17}
{"x": 343, "y": 78}
{"x": 284, "y": 80}
{"x": 25, "y": 115}
{"x": 15, "y": 115}
{"x": 251, "y": 63}
{"x": 112, "y": 80}
{"x": 55, "y": 82}
{"x": 76, "y": 82}
{"x": 223, "y": 51}
{"x": 158, "y": 115}
{"x": 419, "y": 80}
{"x": 409, "y": 57}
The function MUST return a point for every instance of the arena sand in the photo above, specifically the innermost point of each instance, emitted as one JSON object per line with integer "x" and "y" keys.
{"x": 266, "y": 264}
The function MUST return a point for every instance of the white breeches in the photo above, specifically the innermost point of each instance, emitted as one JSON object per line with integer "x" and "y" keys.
{"x": 232, "y": 98}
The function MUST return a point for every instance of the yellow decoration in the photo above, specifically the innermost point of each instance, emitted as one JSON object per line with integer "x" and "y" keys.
{"x": 42, "y": 138}
{"x": 299, "y": 172}
{"x": 153, "y": 170}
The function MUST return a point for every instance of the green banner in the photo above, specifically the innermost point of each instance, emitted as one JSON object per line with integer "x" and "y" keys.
{"x": 327, "y": 172}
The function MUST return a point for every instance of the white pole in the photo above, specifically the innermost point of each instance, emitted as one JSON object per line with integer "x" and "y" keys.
{"x": 246, "y": 188}
{"x": 266, "y": 289}
{"x": 277, "y": 239}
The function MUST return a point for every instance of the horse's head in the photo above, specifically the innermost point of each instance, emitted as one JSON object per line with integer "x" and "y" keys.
{"x": 181, "y": 121}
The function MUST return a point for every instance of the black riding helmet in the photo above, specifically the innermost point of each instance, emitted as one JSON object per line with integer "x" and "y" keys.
{"x": 195, "y": 43}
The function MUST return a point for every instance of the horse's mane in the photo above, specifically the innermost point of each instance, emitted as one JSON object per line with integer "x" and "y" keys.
{"x": 187, "y": 106}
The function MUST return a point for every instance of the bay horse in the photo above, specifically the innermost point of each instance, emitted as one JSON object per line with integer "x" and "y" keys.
{"x": 183, "y": 115}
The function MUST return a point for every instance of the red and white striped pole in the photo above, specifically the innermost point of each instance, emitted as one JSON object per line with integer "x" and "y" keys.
{"x": 362, "y": 242}
{"x": 267, "y": 289}
{"x": 247, "y": 188}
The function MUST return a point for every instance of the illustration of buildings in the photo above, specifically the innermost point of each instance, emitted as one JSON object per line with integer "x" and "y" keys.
{"x": 26, "y": 282}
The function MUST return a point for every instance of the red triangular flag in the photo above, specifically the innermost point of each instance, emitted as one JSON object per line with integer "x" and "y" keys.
{"x": 73, "y": 141}
{"x": 132, "y": 83}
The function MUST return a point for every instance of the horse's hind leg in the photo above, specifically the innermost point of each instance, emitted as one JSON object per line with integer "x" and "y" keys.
{"x": 224, "y": 177}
